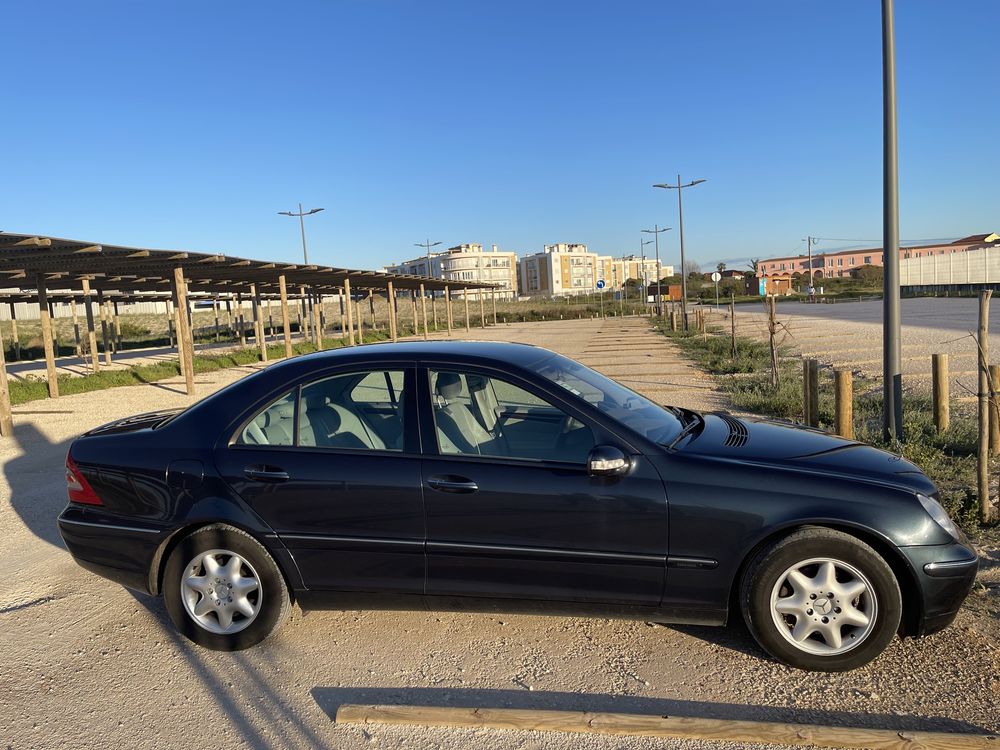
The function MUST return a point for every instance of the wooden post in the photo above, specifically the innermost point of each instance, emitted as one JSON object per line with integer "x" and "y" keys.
{"x": 78, "y": 344}
{"x": 423, "y": 307}
{"x": 994, "y": 382}
{"x": 15, "y": 340}
{"x": 241, "y": 329}
{"x": 482, "y": 308}
{"x": 447, "y": 306}
{"x": 390, "y": 298}
{"x": 229, "y": 317}
{"x": 91, "y": 332}
{"x": 303, "y": 314}
{"x": 258, "y": 323}
{"x": 465, "y": 295}
{"x": 286, "y": 326}
{"x": 493, "y": 294}
{"x": 434, "y": 309}
{"x": 102, "y": 309}
{"x": 772, "y": 332}
{"x": 46, "y": 320}
{"x": 343, "y": 317}
{"x": 360, "y": 319}
{"x": 6, "y": 416}
{"x": 184, "y": 341}
{"x": 732, "y": 324}
{"x": 371, "y": 310}
{"x": 844, "y": 402}
{"x": 416, "y": 318}
{"x": 983, "y": 456}
{"x": 322, "y": 318}
{"x": 350, "y": 312}
{"x": 215, "y": 313}
{"x": 318, "y": 321}
{"x": 940, "y": 387}
{"x": 810, "y": 392}
{"x": 118, "y": 326}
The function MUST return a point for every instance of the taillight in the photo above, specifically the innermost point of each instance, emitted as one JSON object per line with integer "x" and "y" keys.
{"x": 77, "y": 486}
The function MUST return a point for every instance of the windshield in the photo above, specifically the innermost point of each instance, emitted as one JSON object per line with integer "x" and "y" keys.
{"x": 638, "y": 413}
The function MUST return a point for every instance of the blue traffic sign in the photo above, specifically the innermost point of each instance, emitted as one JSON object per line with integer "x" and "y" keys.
{"x": 600, "y": 283}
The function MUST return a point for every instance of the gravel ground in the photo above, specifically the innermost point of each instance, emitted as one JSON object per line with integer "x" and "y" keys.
{"x": 85, "y": 663}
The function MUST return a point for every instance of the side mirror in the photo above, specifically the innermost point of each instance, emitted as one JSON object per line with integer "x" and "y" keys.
{"x": 607, "y": 461}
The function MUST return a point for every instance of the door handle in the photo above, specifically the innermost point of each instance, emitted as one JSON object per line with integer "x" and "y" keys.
{"x": 265, "y": 474}
{"x": 452, "y": 484}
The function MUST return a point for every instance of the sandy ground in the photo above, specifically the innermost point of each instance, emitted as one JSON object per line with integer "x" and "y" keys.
{"x": 85, "y": 663}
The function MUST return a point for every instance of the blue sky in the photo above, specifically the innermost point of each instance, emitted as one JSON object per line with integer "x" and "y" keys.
{"x": 190, "y": 124}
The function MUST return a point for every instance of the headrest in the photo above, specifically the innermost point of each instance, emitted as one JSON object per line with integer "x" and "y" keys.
{"x": 475, "y": 383}
{"x": 449, "y": 384}
{"x": 315, "y": 400}
{"x": 285, "y": 411}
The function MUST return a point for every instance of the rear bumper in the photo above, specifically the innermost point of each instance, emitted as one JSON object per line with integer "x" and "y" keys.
{"x": 121, "y": 552}
{"x": 944, "y": 575}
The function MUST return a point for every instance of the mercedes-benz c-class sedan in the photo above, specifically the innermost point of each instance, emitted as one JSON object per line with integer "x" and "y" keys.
{"x": 504, "y": 477}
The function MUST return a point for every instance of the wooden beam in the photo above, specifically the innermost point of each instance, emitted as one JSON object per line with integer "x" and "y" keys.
{"x": 6, "y": 416}
{"x": 494, "y": 296}
{"x": 416, "y": 319}
{"x": 91, "y": 332}
{"x": 14, "y": 338}
{"x": 76, "y": 328}
{"x": 482, "y": 307}
{"x": 185, "y": 346}
{"x": 350, "y": 312}
{"x": 390, "y": 298}
{"x": 675, "y": 727}
{"x": 258, "y": 323}
{"x": 104, "y": 326}
{"x": 50, "y": 358}
{"x": 447, "y": 305}
{"x": 465, "y": 295}
{"x": 317, "y": 321}
{"x": 285, "y": 323}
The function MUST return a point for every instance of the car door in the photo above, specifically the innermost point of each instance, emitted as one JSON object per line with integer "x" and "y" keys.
{"x": 332, "y": 466}
{"x": 511, "y": 508}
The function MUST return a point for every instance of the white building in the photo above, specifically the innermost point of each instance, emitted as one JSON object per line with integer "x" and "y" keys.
{"x": 467, "y": 263}
{"x": 562, "y": 269}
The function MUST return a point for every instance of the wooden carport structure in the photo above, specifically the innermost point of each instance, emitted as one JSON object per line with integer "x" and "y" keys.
{"x": 45, "y": 270}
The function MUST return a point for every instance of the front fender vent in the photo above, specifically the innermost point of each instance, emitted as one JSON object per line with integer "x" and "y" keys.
{"x": 739, "y": 435}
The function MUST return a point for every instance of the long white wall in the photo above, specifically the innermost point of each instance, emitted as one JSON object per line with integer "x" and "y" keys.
{"x": 970, "y": 267}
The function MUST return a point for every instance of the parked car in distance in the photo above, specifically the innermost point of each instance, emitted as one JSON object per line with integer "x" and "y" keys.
{"x": 505, "y": 477}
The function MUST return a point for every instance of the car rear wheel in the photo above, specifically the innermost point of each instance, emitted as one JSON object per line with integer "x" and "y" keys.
{"x": 821, "y": 600}
{"x": 223, "y": 590}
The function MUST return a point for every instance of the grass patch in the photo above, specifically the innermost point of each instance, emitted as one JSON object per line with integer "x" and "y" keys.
{"x": 949, "y": 458}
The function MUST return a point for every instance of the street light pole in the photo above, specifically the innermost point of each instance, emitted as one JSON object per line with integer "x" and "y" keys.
{"x": 680, "y": 218}
{"x": 427, "y": 246}
{"x": 655, "y": 231}
{"x": 892, "y": 376}
{"x": 302, "y": 227}
{"x": 642, "y": 261}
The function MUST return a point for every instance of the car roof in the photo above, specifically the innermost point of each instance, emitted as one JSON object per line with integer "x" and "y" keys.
{"x": 517, "y": 354}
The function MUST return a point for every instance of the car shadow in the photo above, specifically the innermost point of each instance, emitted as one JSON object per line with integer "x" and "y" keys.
{"x": 36, "y": 481}
{"x": 329, "y": 699}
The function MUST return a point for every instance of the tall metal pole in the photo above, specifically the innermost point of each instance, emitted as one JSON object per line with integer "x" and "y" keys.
{"x": 655, "y": 231}
{"x": 302, "y": 228}
{"x": 809, "y": 249}
{"x": 427, "y": 246}
{"x": 684, "y": 280}
{"x": 892, "y": 376}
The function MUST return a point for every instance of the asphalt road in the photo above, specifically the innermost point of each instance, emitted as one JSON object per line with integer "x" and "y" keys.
{"x": 86, "y": 663}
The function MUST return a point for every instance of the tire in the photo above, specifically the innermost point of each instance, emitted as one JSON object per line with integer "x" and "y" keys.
{"x": 223, "y": 590}
{"x": 821, "y": 600}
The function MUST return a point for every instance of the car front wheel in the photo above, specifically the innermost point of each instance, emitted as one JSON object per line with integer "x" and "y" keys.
{"x": 821, "y": 600}
{"x": 223, "y": 590}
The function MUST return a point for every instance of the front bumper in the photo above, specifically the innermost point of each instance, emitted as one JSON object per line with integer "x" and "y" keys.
{"x": 121, "y": 552}
{"x": 944, "y": 576}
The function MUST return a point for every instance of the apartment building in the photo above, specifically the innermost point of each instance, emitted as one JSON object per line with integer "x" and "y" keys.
{"x": 637, "y": 268}
{"x": 467, "y": 262}
{"x": 827, "y": 265}
{"x": 563, "y": 269}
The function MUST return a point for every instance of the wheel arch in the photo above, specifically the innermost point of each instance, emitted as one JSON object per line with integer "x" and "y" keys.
{"x": 904, "y": 574}
{"x": 162, "y": 554}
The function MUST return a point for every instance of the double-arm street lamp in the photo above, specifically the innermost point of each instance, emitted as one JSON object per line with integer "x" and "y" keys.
{"x": 680, "y": 218}
{"x": 302, "y": 226}
{"x": 427, "y": 246}
{"x": 642, "y": 268}
{"x": 655, "y": 231}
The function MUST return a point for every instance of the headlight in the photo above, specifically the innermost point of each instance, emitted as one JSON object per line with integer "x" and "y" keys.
{"x": 941, "y": 518}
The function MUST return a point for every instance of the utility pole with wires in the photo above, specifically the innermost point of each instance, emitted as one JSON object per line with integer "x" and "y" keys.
{"x": 809, "y": 250}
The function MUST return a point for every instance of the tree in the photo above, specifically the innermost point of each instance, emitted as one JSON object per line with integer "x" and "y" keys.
{"x": 869, "y": 275}
{"x": 754, "y": 265}
{"x": 720, "y": 267}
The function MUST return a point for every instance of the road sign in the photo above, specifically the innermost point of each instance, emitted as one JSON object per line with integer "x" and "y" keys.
{"x": 600, "y": 284}
{"x": 716, "y": 276}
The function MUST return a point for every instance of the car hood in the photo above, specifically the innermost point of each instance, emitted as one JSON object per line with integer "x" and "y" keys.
{"x": 784, "y": 445}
